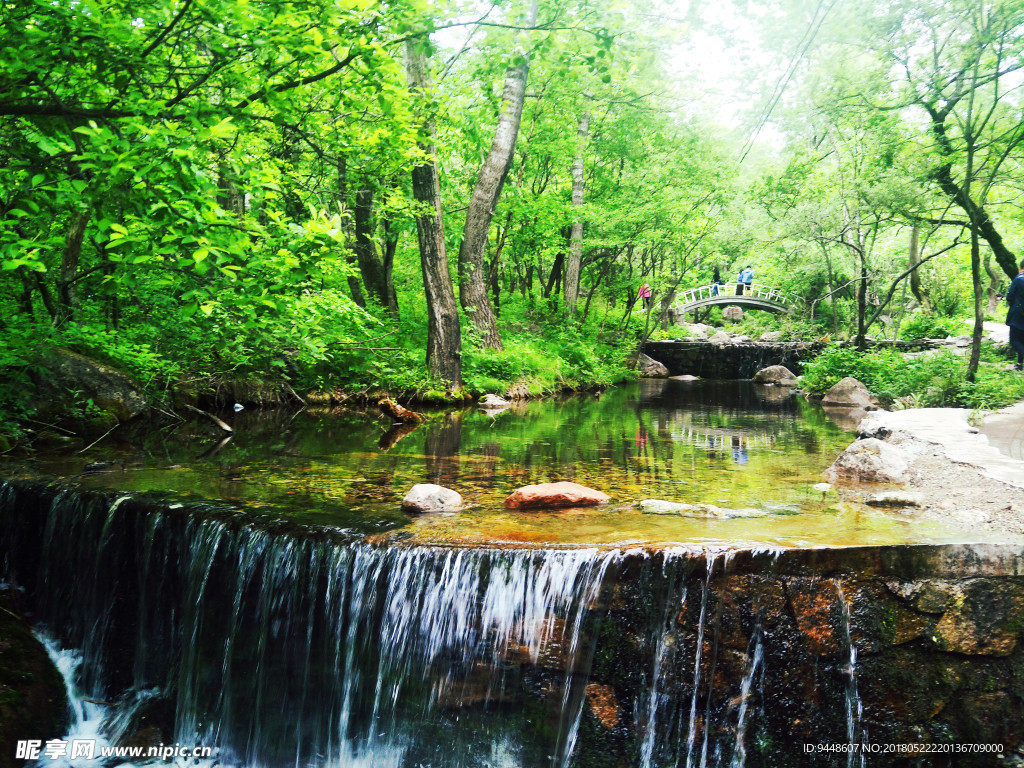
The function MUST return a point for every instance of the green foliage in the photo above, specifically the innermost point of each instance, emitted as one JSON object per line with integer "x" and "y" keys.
{"x": 559, "y": 359}
{"x": 930, "y": 326}
{"x": 928, "y": 380}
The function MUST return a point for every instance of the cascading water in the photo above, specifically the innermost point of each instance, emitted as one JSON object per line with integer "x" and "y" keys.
{"x": 288, "y": 645}
{"x": 854, "y": 708}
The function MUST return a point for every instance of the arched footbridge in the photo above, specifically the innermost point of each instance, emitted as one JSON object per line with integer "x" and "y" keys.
{"x": 753, "y": 296}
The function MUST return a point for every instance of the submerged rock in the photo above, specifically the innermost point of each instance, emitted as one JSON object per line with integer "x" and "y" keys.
{"x": 427, "y": 497}
{"x": 870, "y": 460}
{"x": 562, "y": 494}
{"x": 661, "y": 507}
{"x": 776, "y": 374}
{"x": 848, "y": 393}
{"x": 895, "y": 499}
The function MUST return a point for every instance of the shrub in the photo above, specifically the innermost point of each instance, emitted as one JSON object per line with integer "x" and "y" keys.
{"x": 930, "y": 326}
{"x": 930, "y": 380}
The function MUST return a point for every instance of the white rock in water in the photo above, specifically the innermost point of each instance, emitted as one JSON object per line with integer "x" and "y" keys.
{"x": 427, "y": 497}
{"x": 494, "y": 401}
{"x": 661, "y": 507}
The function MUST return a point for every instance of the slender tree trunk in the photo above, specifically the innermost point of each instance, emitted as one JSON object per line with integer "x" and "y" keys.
{"x": 371, "y": 266}
{"x": 555, "y": 276}
{"x": 25, "y": 298}
{"x": 47, "y": 296}
{"x": 444, "y": 339}
{"x": 914, "y": 257}
{"x": 979, "y": 310}
{"x": 572, "y": 267}
{"x": 67, "y": 290}
{"x": 491, "y": 179}
{"x": 995, "y": 277}
{"x": 389, "y": 245}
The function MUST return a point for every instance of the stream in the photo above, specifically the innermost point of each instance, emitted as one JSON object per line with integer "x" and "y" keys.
{"x": 266, "y": 598}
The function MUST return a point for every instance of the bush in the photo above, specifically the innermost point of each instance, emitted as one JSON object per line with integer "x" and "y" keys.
{"x": 930, "y": 380}
{"x": 929, "y": 326}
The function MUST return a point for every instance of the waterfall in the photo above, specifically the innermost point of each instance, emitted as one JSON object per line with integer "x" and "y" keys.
{"x": 854, "y": 709}
{"x": 278, "y": 644}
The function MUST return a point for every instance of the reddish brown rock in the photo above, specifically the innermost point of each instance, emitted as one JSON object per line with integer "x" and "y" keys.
{"x": 603, "y": 704}
{"x": 562, "y": 494}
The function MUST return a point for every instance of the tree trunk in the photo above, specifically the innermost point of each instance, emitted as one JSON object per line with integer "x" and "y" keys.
{"x": 555, "y": 276}
{"x": 354, "y": 286}
{"x": 25, "y": 298}
{"x": 491, "y": 179}
{"x": 914, "y": 257}
{"x": 572, "y": 267}
{"x": 371, "y": 267}
{"x": 67, "y": 291}
{"x": 444, "y": 339}
{"x": 995, "y": 277}
{"x": 960, "y": 194}
{"x": 389, "y": 244}
{"x": 979, "y": 313}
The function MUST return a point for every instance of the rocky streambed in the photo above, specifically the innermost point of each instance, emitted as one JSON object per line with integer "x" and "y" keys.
{"x": 934, "y": 464}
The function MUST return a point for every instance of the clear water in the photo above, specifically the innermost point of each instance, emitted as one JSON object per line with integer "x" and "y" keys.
{"x": 731, "y": 444}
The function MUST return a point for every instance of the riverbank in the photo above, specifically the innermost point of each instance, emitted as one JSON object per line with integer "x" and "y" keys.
{"x": 956, "y": 472}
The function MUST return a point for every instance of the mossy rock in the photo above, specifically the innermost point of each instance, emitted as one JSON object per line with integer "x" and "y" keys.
{"x": 33, "y": 701}
{"x": 84, "y": 394}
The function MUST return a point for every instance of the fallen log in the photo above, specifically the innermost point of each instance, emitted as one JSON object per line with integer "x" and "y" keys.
{"x": 396, "y": 412}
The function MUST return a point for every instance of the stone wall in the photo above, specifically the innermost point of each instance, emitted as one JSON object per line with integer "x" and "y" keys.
{"x": 730, "y": 361}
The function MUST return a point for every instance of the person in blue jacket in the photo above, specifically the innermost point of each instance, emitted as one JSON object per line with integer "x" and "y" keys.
{"x": 746, "y": 277}
{"x": 1015, "y": 316}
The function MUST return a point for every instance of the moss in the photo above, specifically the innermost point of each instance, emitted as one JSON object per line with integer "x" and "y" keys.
{"x": 33, "y": 702}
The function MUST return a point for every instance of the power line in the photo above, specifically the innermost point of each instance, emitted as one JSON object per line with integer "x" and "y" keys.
{"x": 801, "y": 50}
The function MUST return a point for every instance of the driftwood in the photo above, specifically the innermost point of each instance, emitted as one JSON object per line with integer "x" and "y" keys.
{"x": 392, "y": 409}
{"x": 212, "y": 418}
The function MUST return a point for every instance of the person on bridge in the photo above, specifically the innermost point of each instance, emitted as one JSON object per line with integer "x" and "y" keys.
{"x": 1015, "y": 316}
{"x": 746, "y": 277}
{"x": 716, "y": 281}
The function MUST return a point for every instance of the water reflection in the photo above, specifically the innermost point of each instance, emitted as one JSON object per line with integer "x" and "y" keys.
{"x": 728, "y": 444}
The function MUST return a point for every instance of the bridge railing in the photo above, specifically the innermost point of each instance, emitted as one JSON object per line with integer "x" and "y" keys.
{"x": 754, "y": 290}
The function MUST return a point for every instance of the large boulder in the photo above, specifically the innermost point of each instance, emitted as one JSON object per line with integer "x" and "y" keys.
{"x": 650, "y": 368}
{"x": 33, "y": 699}
{"x": 562, "y": 494}
{"x": 870, "y": 460}
{"x": 732, "y": 313}
{"x": 776, "y": 374}
{"x": 697, "y": 330}
{"x": 427, "y": 497}
{"x": 91, "y": 395}
{"x": 848, "y": 393}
